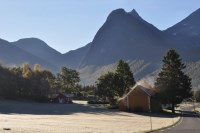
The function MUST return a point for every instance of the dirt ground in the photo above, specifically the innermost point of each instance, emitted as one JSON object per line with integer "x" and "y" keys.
{"x": 22, "y": 117}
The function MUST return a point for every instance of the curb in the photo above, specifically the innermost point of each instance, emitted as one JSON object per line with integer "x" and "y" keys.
{"x": 163, "y": 128}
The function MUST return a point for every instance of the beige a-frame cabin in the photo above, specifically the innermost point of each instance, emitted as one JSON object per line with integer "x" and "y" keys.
{"x": 139, "y": 99}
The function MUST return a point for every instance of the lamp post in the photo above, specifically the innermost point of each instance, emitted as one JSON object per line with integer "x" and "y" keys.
{"x": 194, "y": 100}
{"x": 194, "y": 105}
{"x": 149, "y": 102}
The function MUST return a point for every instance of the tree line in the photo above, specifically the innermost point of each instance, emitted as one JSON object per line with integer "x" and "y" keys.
{"x": 35, "y": 83}
{"x": 24, "y": 82}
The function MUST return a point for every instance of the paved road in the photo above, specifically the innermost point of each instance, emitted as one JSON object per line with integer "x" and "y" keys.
{"x": 189, "y": 123}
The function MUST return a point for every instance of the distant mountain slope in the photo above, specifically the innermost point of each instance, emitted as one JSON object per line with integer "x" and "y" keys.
{"x": 40, "y": 49}
{"x": 73, "y": 58}
{"x": 193, "y": 70}
{"x": 125, "y": 36}
{"x": 187, "y": 29}
{"x": 186, "y": 36}
{"x": 13, "y": 56}
{"x": 140, "y": 68}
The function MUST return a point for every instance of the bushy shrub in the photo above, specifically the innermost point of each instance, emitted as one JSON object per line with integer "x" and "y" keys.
{"x": 197, "y": 96}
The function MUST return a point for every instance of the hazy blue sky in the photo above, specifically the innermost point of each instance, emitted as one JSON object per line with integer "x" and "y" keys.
{"x": 69, "y": 24}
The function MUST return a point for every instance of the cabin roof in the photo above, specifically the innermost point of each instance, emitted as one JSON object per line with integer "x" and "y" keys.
{"x": 144, "y": 86}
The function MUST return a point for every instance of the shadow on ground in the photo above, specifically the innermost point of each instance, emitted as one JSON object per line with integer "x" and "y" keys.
{"x": 15, "y": 107}
{"x": 169, "y": 114}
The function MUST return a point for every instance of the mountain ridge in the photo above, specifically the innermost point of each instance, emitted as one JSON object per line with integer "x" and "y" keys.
{"x": 124, "y": 35}
{"x": 13, "y": 56}
{"x": 122, "y": 28}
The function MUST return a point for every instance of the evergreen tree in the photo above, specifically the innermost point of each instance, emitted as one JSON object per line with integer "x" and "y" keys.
{"x": 172, "y": 84}
{"x": 126, "y": 79}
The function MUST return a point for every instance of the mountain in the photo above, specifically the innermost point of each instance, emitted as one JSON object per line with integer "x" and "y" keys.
{"x": 187, "y": 30}
{"x": 73, "y": 58}
{"x": 14, "y": 56}
{"x": 125, "y": 36}
{"x": 40, "y": 49}
{"x": 186, "y": 36}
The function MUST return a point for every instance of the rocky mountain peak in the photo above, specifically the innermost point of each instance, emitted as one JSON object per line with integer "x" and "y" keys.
{"x": 135, "y": 14}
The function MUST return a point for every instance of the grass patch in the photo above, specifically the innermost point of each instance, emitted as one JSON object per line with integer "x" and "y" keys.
{"x": 177, "y": 112}
{"x": 79, "y": 102}
{"x": 197, "y": 109}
